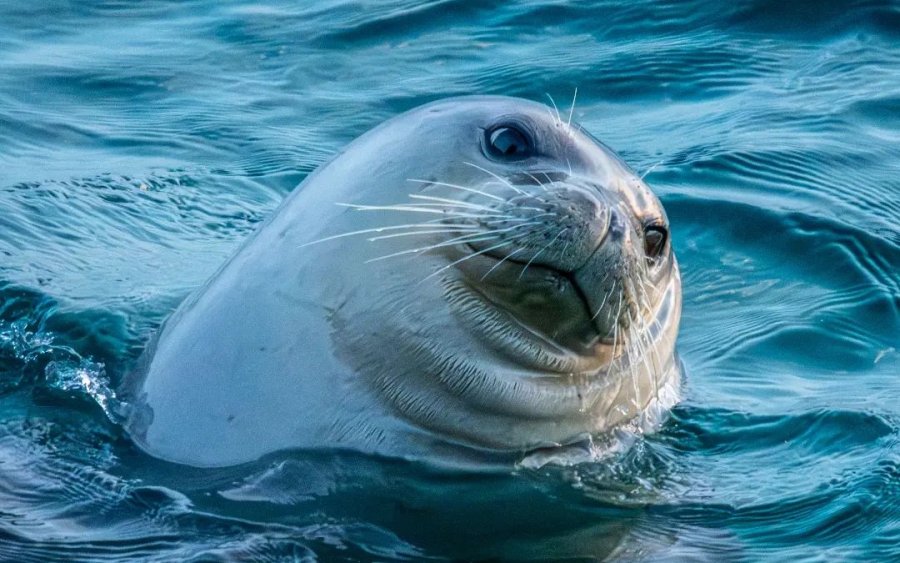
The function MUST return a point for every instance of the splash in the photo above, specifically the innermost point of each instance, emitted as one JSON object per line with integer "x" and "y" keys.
{"x": 87, "y": 377}
{"x": 59, "y": 367}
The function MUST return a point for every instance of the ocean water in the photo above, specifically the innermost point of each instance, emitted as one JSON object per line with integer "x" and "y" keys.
{"x": 141, "y": 142}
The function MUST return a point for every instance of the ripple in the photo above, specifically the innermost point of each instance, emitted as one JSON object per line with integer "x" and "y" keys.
{"x": 127, "y": 235}
{"x": 816, "y": 433}
{"x": 816, "y": 18}
{"x": 144, "y": 142}
{"x": 796, "y": 288}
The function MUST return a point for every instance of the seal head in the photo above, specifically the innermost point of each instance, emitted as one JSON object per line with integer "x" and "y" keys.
{"x": 477, "y": 274}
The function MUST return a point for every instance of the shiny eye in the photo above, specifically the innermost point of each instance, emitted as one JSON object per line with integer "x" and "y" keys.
{"x": 508, "y": 143}
{"x": 655, "y": 241}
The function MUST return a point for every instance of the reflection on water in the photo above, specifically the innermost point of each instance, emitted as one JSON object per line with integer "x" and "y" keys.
{"x": 142, "y": 143}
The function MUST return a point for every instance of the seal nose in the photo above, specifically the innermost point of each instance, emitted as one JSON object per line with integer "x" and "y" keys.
{"x": 600, "y": 277}
{"x": 588, "y": 218}
{"x": 581, "y": 220}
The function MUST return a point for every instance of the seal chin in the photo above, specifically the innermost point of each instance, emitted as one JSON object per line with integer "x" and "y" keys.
{"x": 547, "y": 306}
{"x": 538, "y": 347}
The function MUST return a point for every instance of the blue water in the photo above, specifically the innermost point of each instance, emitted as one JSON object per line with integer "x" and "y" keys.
{"x": 140, "y": 143}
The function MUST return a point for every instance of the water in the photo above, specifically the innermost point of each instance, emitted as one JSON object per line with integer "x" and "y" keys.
{"x": 142, "y": 142}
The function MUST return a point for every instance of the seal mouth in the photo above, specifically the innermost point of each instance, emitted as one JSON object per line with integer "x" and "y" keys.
{"x": 504, "y": 331}
{"x": 563, "y": 280}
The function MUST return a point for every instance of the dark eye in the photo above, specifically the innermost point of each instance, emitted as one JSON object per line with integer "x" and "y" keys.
{"x": 655, "y": 241}
{"x": 507, "y": 142}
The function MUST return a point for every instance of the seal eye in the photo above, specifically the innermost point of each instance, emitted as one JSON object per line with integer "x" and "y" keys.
{"x": 508, "y": 143}
{"x": 655, "y": 241}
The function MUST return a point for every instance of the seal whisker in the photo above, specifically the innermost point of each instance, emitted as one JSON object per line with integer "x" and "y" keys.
{"x": 529, "y": 208}
{"x": 647, "y": 358}
{"x": 528, "y": 224}
{"x": 539, "y": 183}
{"x": 615, "y": 361}
{"x": 429, "y": 225}
{"x": 469, "y": 256}
{"x": 525, "y": 196}
{"x": 636, "y": 330}
{"x": 648, "y": 351}
{"x": 424, "y": 207}
{"x": 558, "y": 118}
{"x": 644, "y": 283}
{"x": 458, "y": 187}
{"x": 572, "y": 111}
{"x": 504, "y": 259}
{"x": 651, "y": 169}
{"x": 436, "y": 231}
{"x": 550, "y": 113}
{"x": 491, "y": 235}
{"x": 512, "y": 219}
{"x": 511, "y": 201}
{"x": 469, "y": 238}
{"x": 419, "y": 208}
{"x": 504, "y": 181}
{"x": 605, "y": 297}
{"x": 450, "y": 201}
{"x": 538, "y": 253}
{"x": 628, "y": 362}
{"x": 643, "y": 341}
{"x": 506, "y": 219}
{"x": 602, "y": 303}
{"x": 431, "y": 205}
{"x": 647, "y": 295}
{"x": 635, "y": 370}
{"x": 618, "y": 312}
{"x": 655, "y": 322}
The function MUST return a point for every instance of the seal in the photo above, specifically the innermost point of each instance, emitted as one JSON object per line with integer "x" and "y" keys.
{"x": 477, "y": 276}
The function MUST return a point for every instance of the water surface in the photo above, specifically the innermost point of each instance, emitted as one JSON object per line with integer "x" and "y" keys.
{"x": 141, "y": 143}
